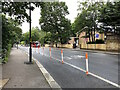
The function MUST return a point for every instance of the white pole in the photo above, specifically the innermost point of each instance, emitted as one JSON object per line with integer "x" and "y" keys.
{"x": 38, "y": 50}
{"x": 62, "y": 55}
{"x": 50, "y": 52}
{"x": 86, "y": 63}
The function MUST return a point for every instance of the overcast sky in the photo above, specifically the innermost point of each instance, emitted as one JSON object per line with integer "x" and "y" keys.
{"x": 72, "y": 8}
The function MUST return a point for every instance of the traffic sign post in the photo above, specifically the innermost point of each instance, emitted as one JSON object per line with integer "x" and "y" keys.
{"x": 97, "y": 36}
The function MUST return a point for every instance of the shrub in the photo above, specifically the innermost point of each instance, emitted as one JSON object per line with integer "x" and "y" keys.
{"x": 22, "y": 42}
{"x": 6, "y": 53}
{"x": 98, "y": 41}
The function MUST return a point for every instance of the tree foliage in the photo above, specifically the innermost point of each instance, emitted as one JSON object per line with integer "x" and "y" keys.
{"x": 110, "y": 16}
{"x": 36, "y": 34}
{"x": 53, "y": 20}
{"x": 96, "y": 16}
{"x": 87, "y": 19}
{"x": 18, "y": 10}
{"x": 10, "y": 33}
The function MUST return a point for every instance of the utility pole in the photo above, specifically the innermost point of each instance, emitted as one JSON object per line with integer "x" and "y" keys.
{"x": 30, "y": 56}
{"x": 30, "y": 49}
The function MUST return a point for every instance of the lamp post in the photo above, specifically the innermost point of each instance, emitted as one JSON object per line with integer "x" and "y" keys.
{"x": 30, "y": 49}
{"x": 30, "y": 56}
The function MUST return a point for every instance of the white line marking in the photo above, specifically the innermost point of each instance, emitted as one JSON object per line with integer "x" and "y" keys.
{"x": 99, "y": 54}
{"x": 108, "y": 81}
{"x": 68, "y": 57}
{"x": 103, "y": 79}
{"x": 77, "y": 56}
{"x": 48, "y": 77}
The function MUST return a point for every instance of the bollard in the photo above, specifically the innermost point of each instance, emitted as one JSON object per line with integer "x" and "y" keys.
{"x": 40, "y": 50}
{"x": 50, "y": 52}
{"x": 62, "y": 55}
{"x": 86, "y": 63}
{"x": 32, "y": 49}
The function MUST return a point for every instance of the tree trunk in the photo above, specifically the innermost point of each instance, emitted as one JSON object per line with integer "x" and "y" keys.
{"x": 60, "y": 40}
{"x": 92, "y": 35}
{"x": 89, "y": 36}
{"x": 56, "y": 45}
{"x": 17, "y": 46}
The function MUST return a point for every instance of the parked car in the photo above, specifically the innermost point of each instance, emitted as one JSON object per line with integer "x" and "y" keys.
{"x": 36, "y": 44}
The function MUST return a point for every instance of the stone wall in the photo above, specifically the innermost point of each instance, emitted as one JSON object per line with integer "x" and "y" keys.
{"x": 109, "y": 46}
{"x": 93, "y": 46}
{"x": 112, "y": 45}
{"x": 60, "y": 45}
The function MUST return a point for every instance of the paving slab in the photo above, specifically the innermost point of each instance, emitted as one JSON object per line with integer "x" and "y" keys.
{"x": 22, "y": 75}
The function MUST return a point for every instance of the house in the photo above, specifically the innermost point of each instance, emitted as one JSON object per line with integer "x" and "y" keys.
{"x": 111, "y": 41}
{"x": 74, "y": 40}
{"x": 83, "y": 40}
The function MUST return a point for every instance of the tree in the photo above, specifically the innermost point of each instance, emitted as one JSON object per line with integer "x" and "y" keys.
{"x": 37, "y": 35}
{"x": 18, "y": 11}
{"x": 87, "y": 19}
{"x": 110, "y": 16}
{"x": 53, "y": 20}
{"x": 10, "y": 34}
{"x": 25, "y": 37}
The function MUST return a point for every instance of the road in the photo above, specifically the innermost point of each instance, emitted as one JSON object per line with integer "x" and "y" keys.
{"x": 68, "y": 76}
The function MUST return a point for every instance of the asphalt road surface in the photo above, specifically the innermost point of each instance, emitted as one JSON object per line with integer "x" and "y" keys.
{"x": 67, "y": 76}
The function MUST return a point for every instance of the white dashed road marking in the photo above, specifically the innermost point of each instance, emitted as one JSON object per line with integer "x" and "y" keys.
{"x": 97, "y": 76}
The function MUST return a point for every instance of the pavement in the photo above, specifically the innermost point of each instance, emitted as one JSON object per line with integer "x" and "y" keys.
{"x": 22, "y": 75}
{"x": 103, "y": 68}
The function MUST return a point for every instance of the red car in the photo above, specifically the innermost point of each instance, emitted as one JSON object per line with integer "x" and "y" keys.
{"x": 36, "y": 44}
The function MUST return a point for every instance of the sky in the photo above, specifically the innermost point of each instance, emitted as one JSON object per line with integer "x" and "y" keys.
{"x": 72, "y": 8}
{"x": 35, "y": 15}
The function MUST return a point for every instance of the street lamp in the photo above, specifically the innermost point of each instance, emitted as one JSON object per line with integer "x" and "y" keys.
{"x": 30, "y": 49}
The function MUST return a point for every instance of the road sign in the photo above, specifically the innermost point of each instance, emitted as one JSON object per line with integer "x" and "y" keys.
{"x": 97, "y": 35}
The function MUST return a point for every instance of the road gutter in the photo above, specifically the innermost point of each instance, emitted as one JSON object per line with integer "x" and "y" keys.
{"x": 3, "y": 83}
{"x": 52, "y": 83}
{"x": 48, "y": 77}
{"x": 92, "y": 74}
{"x": 51, "y": 80}
{"x": 95, "y": 51}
